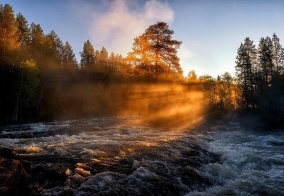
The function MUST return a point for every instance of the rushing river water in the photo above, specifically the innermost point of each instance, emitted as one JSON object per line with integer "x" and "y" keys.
{"x": 108, "y": 156}
{"x": 252, "y": 163}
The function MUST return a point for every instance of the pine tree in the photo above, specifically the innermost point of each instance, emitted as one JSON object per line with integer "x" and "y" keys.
{"x": 37, "y": 38}
{"x": 266, "y": 60}
{"x": 159, "y": 38}
{"x": 102, "y": 60}
{"x": 155, "y": 51}
{"x": 53, "y": 49}
{"x": 9, "y": 37}
{"x": 87, "y": 56}
{"x": 141, "y": 56}
{"x": 19, "y": 79}
{"x": 23, "y": 30}
{"x": 69, "y": 61}
{"x": 112, "y": 61}
{"x": 281, "y": 62}
{"x": 277, "y": 49}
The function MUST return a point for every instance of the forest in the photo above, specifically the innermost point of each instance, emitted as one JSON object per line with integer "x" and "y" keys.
{"x": 41, "y": 79}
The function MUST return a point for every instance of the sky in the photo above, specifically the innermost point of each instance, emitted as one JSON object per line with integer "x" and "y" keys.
{"x": 211, "y": 31}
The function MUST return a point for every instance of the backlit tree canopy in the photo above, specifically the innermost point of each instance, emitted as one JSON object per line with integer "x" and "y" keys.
{"x": 155, "y": 52}
{"x": 9, "y": 36}
{"x": 87, "y": 55}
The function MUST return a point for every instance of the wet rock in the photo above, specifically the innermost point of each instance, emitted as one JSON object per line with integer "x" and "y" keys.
{"x": 59, "y": 168}
{"x": 8, "y": 153}
{"x": 67, "y": 192}
{"x": 48, "y": 177}
{"x": 27, "y": 166}
{"x": 105, "y": 183}
{"x": 14, "y": 180}
{"x": 60, "y": 191}
{"x": 74, "y": 181}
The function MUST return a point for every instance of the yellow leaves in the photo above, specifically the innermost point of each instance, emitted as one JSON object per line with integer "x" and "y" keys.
{"x": 28, "y": 63}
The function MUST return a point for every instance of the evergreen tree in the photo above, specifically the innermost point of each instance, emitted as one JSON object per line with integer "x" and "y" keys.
{"x": 112, "y": 61}
{"x": 69, "y": 61}
{"x": 261, "y": 86}
{"x": 53, "y": 49}
{"x": 19, "y": 74}
{"x": 281, "y": 62}
{"x": 23, "y": 30}
{"x": 37, "y": 38}
{"x": 24, "y": 38}
{"x": 141, "y": 56}
{"x": 9, "y": 37}
{"x": 102, "y": 60}
{"x": 277, "y": 48}
{"x": 246, "y": 65}
{"x": 87, "y": 56}
{"x": 192, "y": 77}
{"x": 209, "y": 86}
{"x": 227, "y": 91}
{"x": 155, "y": 51}
{"x": 266, "y": 60}
{"x": 37, "y": 46}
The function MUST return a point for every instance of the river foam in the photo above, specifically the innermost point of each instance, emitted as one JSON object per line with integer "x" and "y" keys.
{"x": 252, "y": 163}
{"x": 111, "y": 157}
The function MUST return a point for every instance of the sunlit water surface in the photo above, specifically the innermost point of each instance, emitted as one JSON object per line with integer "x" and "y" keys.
{"x": 115, "y": 157}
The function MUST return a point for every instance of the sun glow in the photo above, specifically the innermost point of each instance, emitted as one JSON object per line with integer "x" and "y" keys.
{"x": 165, "y": 105}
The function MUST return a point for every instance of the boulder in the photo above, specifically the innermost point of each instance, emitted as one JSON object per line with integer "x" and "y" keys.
{"x": 8, "y": 153}
{"x": 48, "y": 176}
{"x": 14, "y": 180}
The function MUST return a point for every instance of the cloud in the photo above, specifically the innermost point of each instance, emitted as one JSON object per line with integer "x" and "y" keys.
{"x": 120, "y": 21}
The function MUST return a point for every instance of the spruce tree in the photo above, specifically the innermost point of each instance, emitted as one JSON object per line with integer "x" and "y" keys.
{"x": 266, "y": 60}
{"x": 87, "y": 56}
{"x": 69, "y": 61}
{"x": 246, "y": 64}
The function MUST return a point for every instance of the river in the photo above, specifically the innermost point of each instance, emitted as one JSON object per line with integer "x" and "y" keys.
{"x": 110, "y": 156}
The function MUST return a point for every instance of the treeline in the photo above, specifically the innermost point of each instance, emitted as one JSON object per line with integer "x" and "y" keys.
{"x": 260, "y": 77}
{"x": 257, "y": 91}
{"x": 41, "y": 79}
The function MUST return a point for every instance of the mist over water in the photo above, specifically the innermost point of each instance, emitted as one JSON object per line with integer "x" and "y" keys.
{"x": 164, "y": 104}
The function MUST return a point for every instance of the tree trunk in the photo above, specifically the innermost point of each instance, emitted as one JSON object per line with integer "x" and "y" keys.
{"x": 39, "y": 99}
{"x": 16, "y": 111}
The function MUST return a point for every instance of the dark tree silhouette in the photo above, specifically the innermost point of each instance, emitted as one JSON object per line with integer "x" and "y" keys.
{"x": 246, "y": 64}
